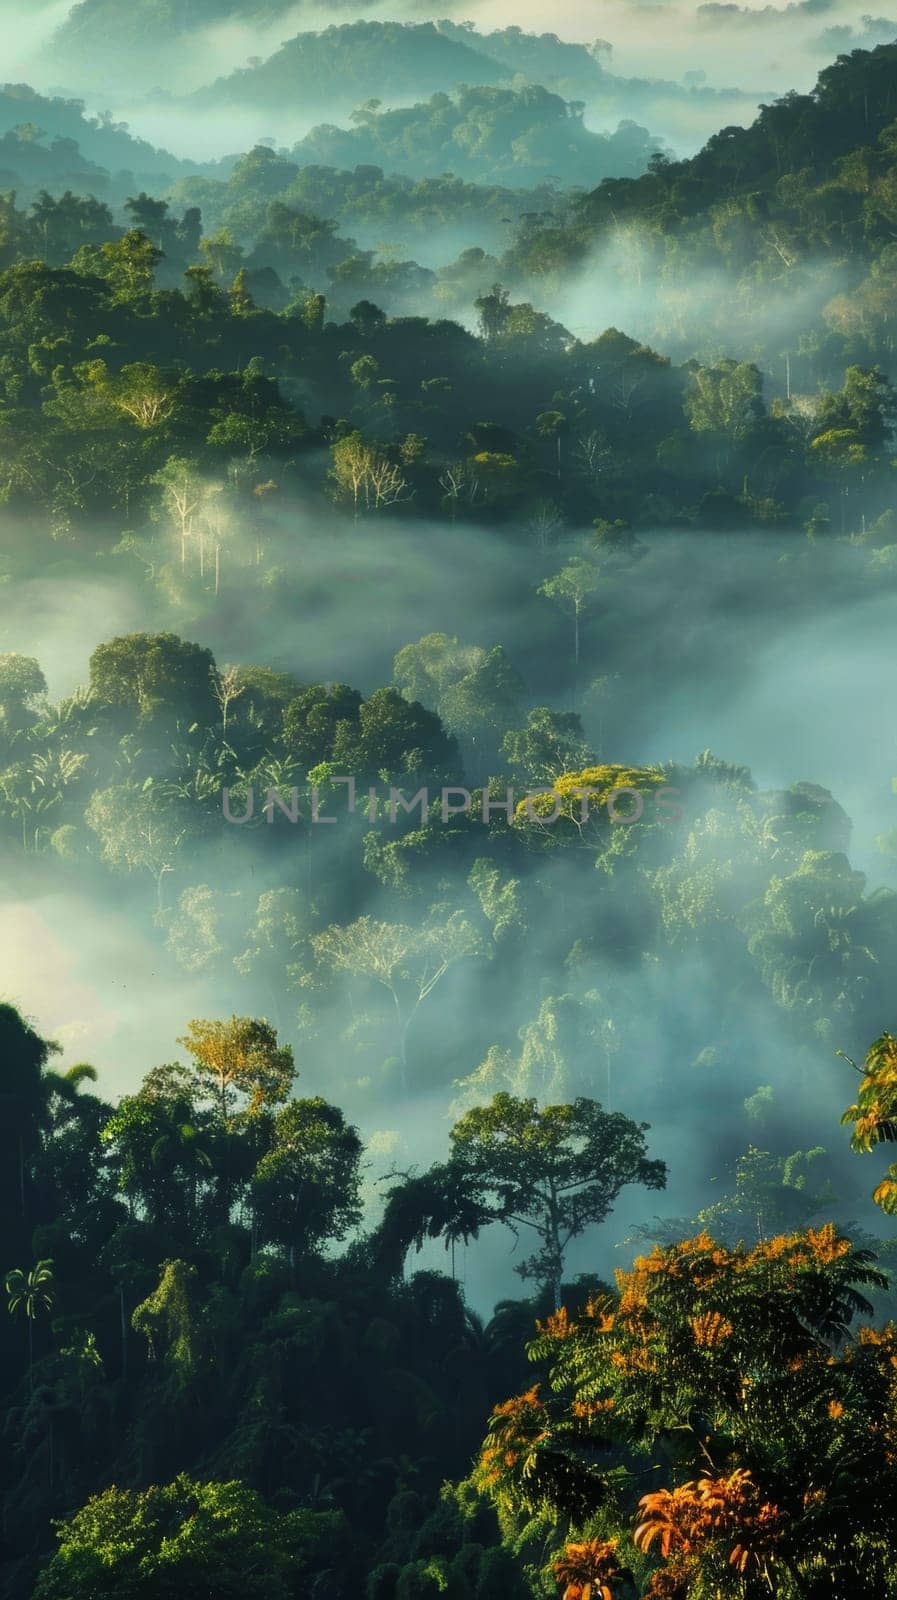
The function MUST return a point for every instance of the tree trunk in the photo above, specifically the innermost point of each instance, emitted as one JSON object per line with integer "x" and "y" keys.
{"x": 124, "y": 1330}
{"x": 402, "y": 1026}
{"x": 556, "y": 1254}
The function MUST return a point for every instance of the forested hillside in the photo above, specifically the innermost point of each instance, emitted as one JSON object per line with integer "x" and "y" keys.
{"x": 349, "y": 63}
{"x": 781, "y": 232}
{"x": 50, "y": 143}
{"x": 145, "y": 43}
{"x": 448, "y": 852}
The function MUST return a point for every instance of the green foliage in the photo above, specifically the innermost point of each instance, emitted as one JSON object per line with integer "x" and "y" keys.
{"x": 474, "y": 125}
{"x": 189, "y": 1539}
{"x": 305, "y": 1188}
{"x": 31, "y": 1292}
{"x": 198, "y": 395}
{"x": 874, "y": 1114}
{"x": 557, "y": 1170}
{"x": 168, "y": 1320}
{"x": 718, "y": 1372}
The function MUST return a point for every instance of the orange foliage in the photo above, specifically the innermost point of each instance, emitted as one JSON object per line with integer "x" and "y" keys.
{"x": 711, "y": 1329}
{"x": 557, "y": 1325}
{"x": 517, "y": 1425}
{"x": 587, "y": 1409}
{"x": 684, "y": 1521}
{"x": 587, "y": 1569}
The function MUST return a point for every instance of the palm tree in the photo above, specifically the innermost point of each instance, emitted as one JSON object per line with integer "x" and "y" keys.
{"x": 31, "y": 1293}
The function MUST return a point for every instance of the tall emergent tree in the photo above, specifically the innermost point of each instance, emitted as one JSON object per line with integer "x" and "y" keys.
{"x": 555, "y": 1170}
{"x": 240, "y": 1057}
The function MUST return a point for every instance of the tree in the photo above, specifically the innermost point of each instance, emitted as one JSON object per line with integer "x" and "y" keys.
{"x": 394, "y": 738}
{"x": 198, "y": 927}
{"x": 364, "y": 372}
{"x": 494, "y": 310}
{"x": 437, "y": 1204}
{"x": 545, "y": 521}
{"x": 240, "y": 1057}
{"x": 204, "y": 297}
{"x": 874, "y": 1113}
{"x": 553, "y": 425}
{"x": 554, "y": 1044}
{"x": 725, "y": 402}
{"x": 486, "y": 700}
{"x": 770, "y": 1193}
{"x": 227, "y": 686}
{"x": 139, "y": 829}
{"x": 556, "y": 1171}
{"x": 313, "y": 309}
{"x": 30, "y": 1293}
{"x": 593, "y": 455}
{"x": 214, "y": 524}
{"x": 150, "y": 674}
{"x": 306, "y": 1186}
{"x": 364, "y": 475}
{"x": 501, "y": 901}
{"x": 407, "y": 962}
{"x": 572, "y": 588}
{"x": 182, "y": 496}
{"x": 23, "y": 1089}
{"x": 158, "y": 1143}
{"x": 728, "y": 1375}
{"x": 186, "y": 1540}
{"x": 865, "y": 408}
{"x": 315, "y": 718}
{"x": 240, "y": 295}
{"x": 140, "y": 390}
{"x": 169, "y": 1319}
{"x": 549, "y": 745}
{"x": 221, "y": 252}
{"x": 810, "y": 935}
{"x": 22, "y": 687}
{"x": 367, "y": 318}
{"x": 149, "y": 215}
{"x": 128, "y": 264}
{"x": 460, "y": 480}
{"x": 425, "y": 669}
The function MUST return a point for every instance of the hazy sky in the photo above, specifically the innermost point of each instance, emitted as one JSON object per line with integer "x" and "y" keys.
{"x": 763, "y": 48}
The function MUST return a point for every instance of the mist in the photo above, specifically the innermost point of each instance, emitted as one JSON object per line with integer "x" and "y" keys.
{"x": 702, "y": 651}
{"x": 448, "y": 798}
